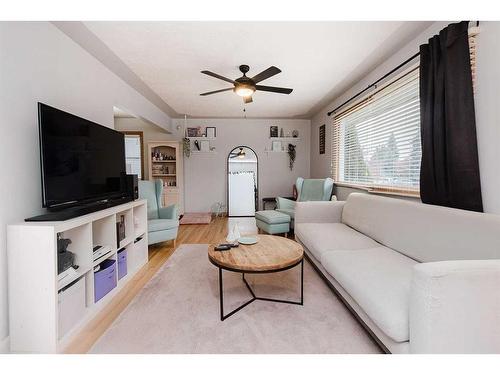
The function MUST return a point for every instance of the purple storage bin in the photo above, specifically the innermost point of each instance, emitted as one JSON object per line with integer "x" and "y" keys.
{"x": 122, "y": 263}
{"x": 104, "y": 279}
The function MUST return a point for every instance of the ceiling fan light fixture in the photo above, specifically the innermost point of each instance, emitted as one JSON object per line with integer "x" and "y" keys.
{"x": 244, "y": 90}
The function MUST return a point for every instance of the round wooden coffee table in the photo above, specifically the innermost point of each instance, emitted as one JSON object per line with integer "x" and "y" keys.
{"x": 270, "y": 254}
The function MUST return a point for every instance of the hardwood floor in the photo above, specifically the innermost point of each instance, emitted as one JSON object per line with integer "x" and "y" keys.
{"x": 158, "y": 255}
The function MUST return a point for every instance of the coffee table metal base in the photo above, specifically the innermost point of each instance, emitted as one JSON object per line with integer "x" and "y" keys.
{"x": 254, "y": 297}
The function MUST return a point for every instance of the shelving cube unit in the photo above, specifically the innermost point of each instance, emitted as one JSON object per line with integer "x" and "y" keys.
{"x": 34, "y": 311}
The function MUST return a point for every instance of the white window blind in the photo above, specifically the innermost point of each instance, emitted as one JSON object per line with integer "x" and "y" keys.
{"x": 376, "y": 143}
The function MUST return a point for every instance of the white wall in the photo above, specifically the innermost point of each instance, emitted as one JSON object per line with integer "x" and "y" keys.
{"x": 486, "y": 100}
{"x": 205, "y": 179}
{"x": 40, "y": 63}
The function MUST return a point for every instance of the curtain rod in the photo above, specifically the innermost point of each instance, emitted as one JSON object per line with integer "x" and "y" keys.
{"x": 374, "y": 84}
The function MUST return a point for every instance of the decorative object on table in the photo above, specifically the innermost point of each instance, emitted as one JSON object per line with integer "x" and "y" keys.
{"x": 192, "y": 132}
{"x": 211, "y": 132}
{"x": 197, "y": 145}
{"x": 292, "y": 153}
{"x": 205, "y": 146}
{"x": 282, "y": 133}
{"x": 295, "y": 133}
{"x": 322, "y": 132}
{"x": 186, "y": 145}
{"x": 248, "y": 240}
{"x": 236, "y": 231}
{"x": 276, "y": 146}
{"x": 230, "y": 236}
{"x": 65, "y": 258}
{"x": 273, "y": 131}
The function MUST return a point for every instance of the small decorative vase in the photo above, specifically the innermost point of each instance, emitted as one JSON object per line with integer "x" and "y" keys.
{"x": 236, "y": 232}
{"x": 230, "y": 236}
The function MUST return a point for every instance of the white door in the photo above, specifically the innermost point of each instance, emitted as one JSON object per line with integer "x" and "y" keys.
{"x": 241, "y": 194}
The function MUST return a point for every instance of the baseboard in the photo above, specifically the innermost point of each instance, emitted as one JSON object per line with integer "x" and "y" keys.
{"x": 5, "y": 345}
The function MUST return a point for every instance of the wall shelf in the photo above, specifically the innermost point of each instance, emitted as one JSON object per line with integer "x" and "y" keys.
{"x": 289, "y": 139}
{"x": 203, "y": 152}
{"x": 163, "y": 161}
{"x": 201, "y": 138}
{"x": 165, "y": 175}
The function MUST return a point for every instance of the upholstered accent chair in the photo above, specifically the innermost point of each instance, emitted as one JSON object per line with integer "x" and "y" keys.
{"x": 310, "y": 189}
{"x": 163, "y": 222}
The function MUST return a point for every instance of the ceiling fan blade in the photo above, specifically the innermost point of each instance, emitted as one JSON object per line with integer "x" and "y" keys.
{"x": 215, "y": 92}
{"x": 269, "y": 72}
{"x": 279, "y": 90}
{"x": 215, "y": 75}
{"x": 247, "y": 99}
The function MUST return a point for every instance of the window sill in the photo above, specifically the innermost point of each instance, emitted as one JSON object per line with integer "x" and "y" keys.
{"x": 381, "y": 191}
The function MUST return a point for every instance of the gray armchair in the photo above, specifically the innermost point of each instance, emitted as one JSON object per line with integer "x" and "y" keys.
{"x": 163, "y": 222}
{"x": 307, "y": 190}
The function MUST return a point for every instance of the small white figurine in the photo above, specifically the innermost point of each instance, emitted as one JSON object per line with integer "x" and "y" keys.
{"x": 236, "y": 232}
{"x": 230, "y": 236}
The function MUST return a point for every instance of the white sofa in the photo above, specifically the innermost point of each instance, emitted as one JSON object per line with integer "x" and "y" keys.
{"x": 421, "y": 278}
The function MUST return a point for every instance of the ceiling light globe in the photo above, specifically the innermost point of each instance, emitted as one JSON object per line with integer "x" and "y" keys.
{"x": 244, "y": 91}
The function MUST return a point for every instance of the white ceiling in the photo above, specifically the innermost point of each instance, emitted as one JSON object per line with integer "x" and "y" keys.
{"x": 315, "y": 59}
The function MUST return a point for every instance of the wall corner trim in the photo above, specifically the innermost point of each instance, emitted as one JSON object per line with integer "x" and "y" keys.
{"x": 5, "y": 345}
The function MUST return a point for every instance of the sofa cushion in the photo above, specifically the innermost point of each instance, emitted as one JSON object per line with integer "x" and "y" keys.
{"x": 272, "y": 217}
{"x": 322, "y": 237}
{"x": 424, "y": 232}
{"x": 378, "y": 279}
{"x": 156, "y": 225}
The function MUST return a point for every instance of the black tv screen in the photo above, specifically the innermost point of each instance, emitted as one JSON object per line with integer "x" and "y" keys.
{"x": 81, "y": 161}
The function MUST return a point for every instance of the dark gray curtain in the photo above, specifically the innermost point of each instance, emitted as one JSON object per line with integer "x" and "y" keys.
{"x": 449, "y": 173}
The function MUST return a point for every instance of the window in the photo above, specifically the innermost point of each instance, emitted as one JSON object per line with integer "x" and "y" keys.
{"x": 376, "y": 143}
{"x": 133, "y": 153}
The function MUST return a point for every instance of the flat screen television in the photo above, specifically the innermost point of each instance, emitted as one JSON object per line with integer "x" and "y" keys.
{"x": 81, "y": 161}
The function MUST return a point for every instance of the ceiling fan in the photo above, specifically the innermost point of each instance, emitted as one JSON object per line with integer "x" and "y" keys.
{"x": 246, "y": 86}
{"x": 240, "y": 154}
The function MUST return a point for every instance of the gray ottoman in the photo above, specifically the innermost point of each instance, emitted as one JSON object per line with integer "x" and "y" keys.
{"x": 272, "y": 222}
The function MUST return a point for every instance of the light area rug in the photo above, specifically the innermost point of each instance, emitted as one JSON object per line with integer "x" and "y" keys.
{"x": 196, "y": 218}
{"x": 177, "y": 311}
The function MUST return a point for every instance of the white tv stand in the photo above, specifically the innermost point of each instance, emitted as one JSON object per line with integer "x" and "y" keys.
{"x": 32, "y": 271}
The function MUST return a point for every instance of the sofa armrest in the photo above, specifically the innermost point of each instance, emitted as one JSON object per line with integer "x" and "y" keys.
{"x": 169, "y": 212}
{"x": 455, "y": 307}
{"x": 284, "y": 203}
{"x": 319, "y": 212}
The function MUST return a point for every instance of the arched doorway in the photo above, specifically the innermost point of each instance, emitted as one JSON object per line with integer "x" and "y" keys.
{"x": 242, "y": 182}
